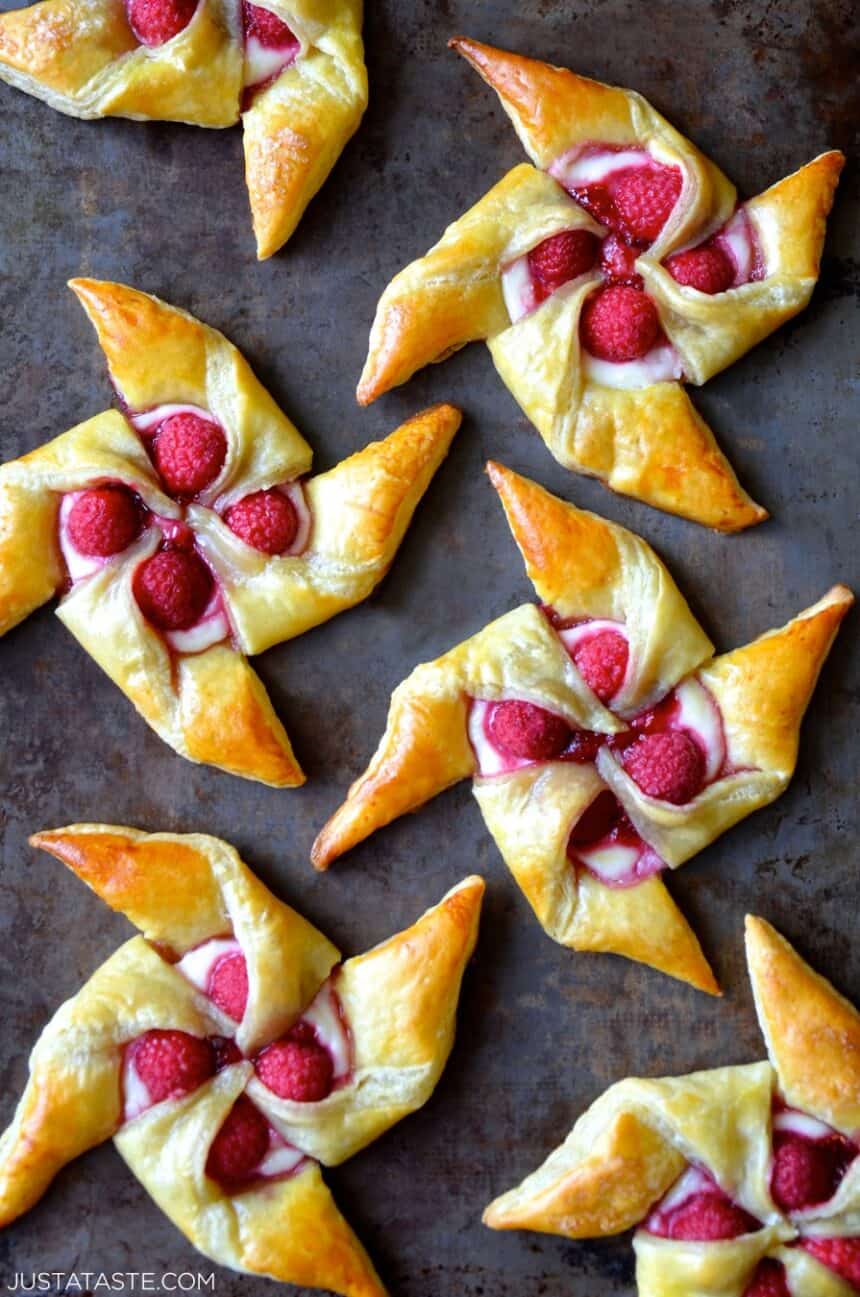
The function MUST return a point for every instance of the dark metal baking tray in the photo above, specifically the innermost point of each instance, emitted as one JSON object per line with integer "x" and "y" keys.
{"x": 760, "y": 87}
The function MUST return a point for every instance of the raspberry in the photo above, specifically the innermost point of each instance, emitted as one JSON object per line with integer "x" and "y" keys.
{"x": 171, "y": 1063}
{"x": 266, "y": 520}
{"x": 807, "y": 1172}
{"x": 156, "y": 21}
{"x": 669, "y": 766}
{"x": 297, "y": 1067}
{"x": 228, "y": 984}
{"x": 266, "y": 26}
{"x": 768, "y": 1280}
{"x": 841, "y": 1255}
{"x": 602, "y": 816}
{"x": 104, "y": 521}
{"x": 619, "y": 323}
{"x": 601, "y": 660}
{"x": 618, "y": 261}
{"x": 173, "y": 588}
{"x": 189, "y": 453}
{"x": 240, "y": 1145}
{"x": 563, "y": 257}
{"x": 583, "y": 746}
{"x": 525, "y": 730}
{"x": 707, "y": 269}
{"x": 706, "y": 1218}
{"x": 644, "y": 198}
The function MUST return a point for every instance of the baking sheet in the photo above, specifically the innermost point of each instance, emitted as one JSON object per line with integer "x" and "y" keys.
{"x": 761, "y": 88}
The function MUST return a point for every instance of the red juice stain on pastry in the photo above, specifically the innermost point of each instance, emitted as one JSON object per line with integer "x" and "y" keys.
{"x": 171, "y": 1063}
{"x": 768, "y": 1280}
{"x": 240, "y": 1145}
{"x": 270, "y": 30}
{"x": 104, "y": 521}
{"x": 807, "y": 1172}
{"x": 644, "y": 198}
{"x": 156, "y": 21}
{"x": 189, "y": 453}
{"x": 842, "y": 1255}
{"x": 266, "y": 520}
{"x": 601, "y": 660}
{"x": 297, "y": 1067}
{"x": 173, "y": 588}
{"x": 227, "y": 984}
{"x": 619, "y": 323}
{"x": 618, "y": 261}
{"x": 527, "y": 731}
{"x": 706, "y": 269}
{"x": 669, "y": 766}
{"x": 563, "y": 257}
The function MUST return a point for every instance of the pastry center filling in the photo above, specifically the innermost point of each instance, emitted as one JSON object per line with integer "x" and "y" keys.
{"x": 604, "y": 842}
{"x": 841, "y": 1255}
{"x": 810, "y": 1160}
{"x": 674, "y": 750}
{"x": 625, "y": 189}
{"x": 768, "y": 1280}
{"x": 697, "y": 1210}
{"x": 270, "y": 45}
{"x": 168, "y": 1064}
{"x": 247, "y": 1148}
{"x": 154, "y": 22}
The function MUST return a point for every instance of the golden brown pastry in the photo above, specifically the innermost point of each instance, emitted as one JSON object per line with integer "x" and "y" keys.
{"x": 602, "y": 278}
{"x": 605, "y": 739}
{"x": 184, "y": 535}
{"x": 228, "y": 1051}
{"x": 293, "y": 72}
{"x": 742, "y": 1181}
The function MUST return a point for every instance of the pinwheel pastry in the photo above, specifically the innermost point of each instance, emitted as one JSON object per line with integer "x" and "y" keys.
{"x": 228, "y": 1052}
{"x": 605, "y": 740}
{"x": 293, "y": 72}
{"x": 741, "y": 1181}
{"x": 183, "y": 534}
{"x": 618, "y": 267}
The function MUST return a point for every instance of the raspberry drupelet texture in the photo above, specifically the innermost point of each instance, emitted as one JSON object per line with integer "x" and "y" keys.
{"x": 644, "y": 198}
{"x": 706, "y": 1218}
{"x": 189, "y": 453}
{"x": 266, "y": 520}
{"x": 768, "y": 1280}
{"x": 297, "y": 1067}
{"x": 601, "y": 660}
{"x": 619, "y": 323}
{"x": 807, "y": 1172}
{"x": 155, "y": 22}
{"x": 240, "y": 1145}
{"x": 527, "y": 731}
{"x": 618, "y": 261}
{"x": 173, "y": 588}
{"x": 706, "y": 269}
{"x": 841, "y": 1255}
{"x": 563, "y": 257}
{"x": 104, "y": 521}
{"x": 171, "y": 1063}
{"x": 270, "y": 30}
{"x": 669, "y": 766}
{"x": 227, "y": 985}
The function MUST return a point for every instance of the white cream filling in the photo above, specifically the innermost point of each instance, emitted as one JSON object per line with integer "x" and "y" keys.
{"x": 149, "y": 420}
{"x": 296, "y": 495}
{"x": 661, "y": 364}
{"x": 698, "y": 712}
{"x": 800, "y": 1123}
{"x": 518, "y": 289}
{"x": 80, "y": 565}
{"x": 263, "y": 62}
{"x": 212, "y": 627}
{"x": 490, "y": 760}
{"x": 323, "y": 1015}
{"x": 691, "y": 1182}
{"x": 736, "y": 238}
{"x": 198, "y": 963}
{"x": 611, "y": 862}
{"x": 575, "y": 172}
{"x": 280, "y": 1160}
{"x": 135, "y": 1094}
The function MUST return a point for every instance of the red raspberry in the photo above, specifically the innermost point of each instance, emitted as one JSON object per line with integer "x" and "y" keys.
{"x": 618, "y": 261}
{"x": 173, "y": 588}
{"x": 644, "y": 198}
{"x": 525, "y": 730}
{"x": 583, "y": 746}
{"x": 240, "y": 1145}
{"x": 189, "y": 453}
{"x": 706, "y": 1218}
{"x": 619, "y": 323}
{"x": 706, "y": 268}
{"x": 602, "y": 816}
{"x": 156, "y": 21}
{"x": 807, "y": 1172}
{"x": 171, "y": 1063}
{"x": 841, "y": 1255}
{"x": 104, "y": 521}
{"x": 601, "y": 660}
{"x": 228, "y": 984}
{"x": 768, "y": 1280}
{"x": 297, "y": 1067}
{"x": 266, "y": 520}
{"x": 266, "y": 26}
{"x": 669, "y": 766}
{"x": 563, "y": 257}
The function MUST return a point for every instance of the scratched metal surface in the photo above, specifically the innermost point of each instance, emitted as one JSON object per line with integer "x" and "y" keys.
{"x": 761, "y": 88}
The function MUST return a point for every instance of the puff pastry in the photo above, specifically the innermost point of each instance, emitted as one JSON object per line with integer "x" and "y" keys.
{"x": 228, "y": 1052}
{"x": 293, "y": 72}
{"x": 616, "y": 268}
{"x": 605, "y": 740}
{"x": 184, "y": 534}
{"x": 741, "y": 1181}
